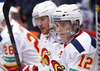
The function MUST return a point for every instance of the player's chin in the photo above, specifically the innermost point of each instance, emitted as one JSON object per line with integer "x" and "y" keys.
{"x": 44, "y": 32}
{"x": 64, "y": 39}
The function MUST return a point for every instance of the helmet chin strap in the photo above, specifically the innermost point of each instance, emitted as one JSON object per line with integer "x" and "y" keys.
{"x": 75, "y": 28}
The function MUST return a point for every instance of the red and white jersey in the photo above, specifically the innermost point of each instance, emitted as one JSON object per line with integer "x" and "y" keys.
{"x": 45, "y": 50}
{"x": 48, "y": 56}
{"x": 26, "y": 43}
{"x": 56, "y": 54}
{"x": 79, "y": 55}
{"x": 47, "y": 45}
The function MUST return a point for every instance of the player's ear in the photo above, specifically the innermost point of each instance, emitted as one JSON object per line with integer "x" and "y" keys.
{"x": 77, "y": 22}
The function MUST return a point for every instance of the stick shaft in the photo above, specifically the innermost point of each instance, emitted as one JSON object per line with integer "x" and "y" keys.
{"x": 6, "y": 8}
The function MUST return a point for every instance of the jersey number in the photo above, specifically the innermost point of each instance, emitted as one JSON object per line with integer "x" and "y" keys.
{"x": 36, "y": 42}
{"x": 89, "y": 61}
{"x": 8, "y": 50}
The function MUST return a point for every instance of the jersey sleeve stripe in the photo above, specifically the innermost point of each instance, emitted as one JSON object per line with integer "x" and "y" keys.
{"x": 93, "y": 41}
{"x": 78, "y": 46}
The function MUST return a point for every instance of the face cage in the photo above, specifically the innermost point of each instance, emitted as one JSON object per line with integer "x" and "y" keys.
{"x": 57, "y": 37}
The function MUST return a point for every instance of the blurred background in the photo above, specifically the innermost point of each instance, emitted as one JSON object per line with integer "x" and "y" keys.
{"x": 22, "y": 13}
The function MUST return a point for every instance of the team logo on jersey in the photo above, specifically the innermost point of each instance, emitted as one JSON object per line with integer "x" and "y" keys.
{"x": 57, "y": 66}
{"x": 45, "y": 56}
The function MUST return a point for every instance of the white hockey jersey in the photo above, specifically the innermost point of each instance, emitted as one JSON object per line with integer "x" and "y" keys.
{"x": 46, "y": 47}
{"x": 45, "y": 50}
{"x": 26, "y": 43}
{"x": 79, "y": 55}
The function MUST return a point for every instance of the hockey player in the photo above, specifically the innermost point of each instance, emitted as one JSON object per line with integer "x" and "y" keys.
{"x": 26, "y": 43}
{"x": 42, "y": 19}
{"x": 80, "y": 53}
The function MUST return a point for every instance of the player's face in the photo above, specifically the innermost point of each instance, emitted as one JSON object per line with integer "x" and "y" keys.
{"x": 63, "y": 29}
{"x": 43, "y": 24}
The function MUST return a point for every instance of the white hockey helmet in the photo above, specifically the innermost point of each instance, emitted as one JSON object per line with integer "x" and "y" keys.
{"x": 43, "y": 9}
{"x": 70, "y": 13}
{"x": 67, "y": 12}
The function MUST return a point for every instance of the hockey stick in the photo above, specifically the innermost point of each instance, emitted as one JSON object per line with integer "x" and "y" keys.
{"x": 6, "y": 8}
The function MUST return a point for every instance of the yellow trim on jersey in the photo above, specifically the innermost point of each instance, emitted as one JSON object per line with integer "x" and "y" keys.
{"x": 8, "y": 65}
